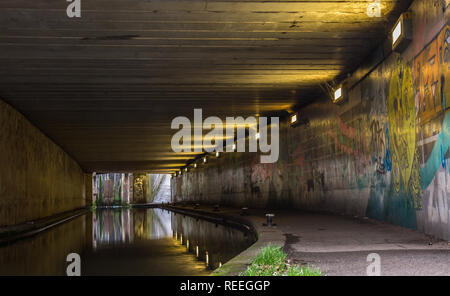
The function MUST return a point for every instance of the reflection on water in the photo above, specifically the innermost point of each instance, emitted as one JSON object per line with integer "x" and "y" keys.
{"x": 111, "y": 227}
{"x": 152, "y": 224}
{"x": 45, "y": 254}
{"x": 127, "y": 242}
{"x": 213, "y": 243}
{"x": 119, "y": 226}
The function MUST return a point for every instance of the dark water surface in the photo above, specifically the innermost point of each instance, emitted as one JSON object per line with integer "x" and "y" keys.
{"x": 127, "y": 242}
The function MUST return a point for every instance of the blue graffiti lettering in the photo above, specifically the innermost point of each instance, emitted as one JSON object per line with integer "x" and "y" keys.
{"x": 437, "y": 156}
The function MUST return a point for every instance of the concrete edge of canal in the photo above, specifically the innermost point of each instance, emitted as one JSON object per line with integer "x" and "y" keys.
{"x": 265, "y": 235}
{"x": 10, "y": 234}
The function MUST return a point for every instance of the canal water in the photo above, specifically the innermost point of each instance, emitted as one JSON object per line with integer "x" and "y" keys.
{"x": 128, "y": 242}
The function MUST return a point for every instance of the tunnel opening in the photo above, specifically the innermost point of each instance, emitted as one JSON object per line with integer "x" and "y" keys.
{"x": 124, "y": 189}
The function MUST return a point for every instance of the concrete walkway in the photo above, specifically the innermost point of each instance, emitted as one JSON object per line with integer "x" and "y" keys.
{"x": 339, "y": 245}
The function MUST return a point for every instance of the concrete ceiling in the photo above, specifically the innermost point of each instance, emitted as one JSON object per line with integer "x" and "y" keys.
{"x": 106, "y": 86}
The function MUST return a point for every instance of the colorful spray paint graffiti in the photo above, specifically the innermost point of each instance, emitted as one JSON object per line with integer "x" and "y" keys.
{"x": 374, "y": 92}
{"x": 435, "y": 182}
{"x": 392, "y": 195}
{"x": 435, "y": 58}
{"x": 402, "y": 121}
{"x": 411, "y": 114}
{"x": 437, "y": 157}
{"x": 386, "y": 150}
{"x": 426, "y": 82}
{"x": 433, "y": 95}
{"x": 349, "y": 153}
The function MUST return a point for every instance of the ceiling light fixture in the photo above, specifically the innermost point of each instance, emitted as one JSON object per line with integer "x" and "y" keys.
{"x": 293, "y": 119}
{"x": 402, "y": 33}
{"x": 340, "y": 94}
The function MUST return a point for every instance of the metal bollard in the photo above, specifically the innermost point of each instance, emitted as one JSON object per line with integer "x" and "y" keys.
{"x": 244, "y": 211}
{"x": 269, "y": 220}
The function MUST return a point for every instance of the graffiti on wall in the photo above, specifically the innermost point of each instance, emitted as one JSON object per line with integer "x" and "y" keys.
{"x": 437, "y": 55}
{"x": 270, "y": 178}
{"x": 402, "y": 132}
{"x": 389, "y": 146}
{"x": 348, "y": 152}
{"x": 433, "y": 96}
{"x": 395, "y": 180}
{"x": 419, "y": 141}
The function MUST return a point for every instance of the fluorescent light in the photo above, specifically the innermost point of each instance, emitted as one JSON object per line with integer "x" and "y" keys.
{"x": 338, "y": 94}
{"x": 217, "y": 153}
{"x": 293, "y": 118}
{"x": 205, "y": 159}
{"x": 234, "y": 147}
{"x": 195, "y": 165}
{"x": 397, "y": 32}
{"x": 402, "y": 34}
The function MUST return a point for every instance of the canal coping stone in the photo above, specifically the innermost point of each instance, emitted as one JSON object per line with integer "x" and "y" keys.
{"x": 265, "y": 236}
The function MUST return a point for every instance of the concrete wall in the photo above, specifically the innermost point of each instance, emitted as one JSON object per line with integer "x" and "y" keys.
{"x": 382, "y": 154}
{"x": 37, "y": 178}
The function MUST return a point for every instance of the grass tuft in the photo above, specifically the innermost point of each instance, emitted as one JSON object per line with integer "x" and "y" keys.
{"x": 294, "y": 270}
{"x": 271, "y": 261}
{"x": 270, "y": 255}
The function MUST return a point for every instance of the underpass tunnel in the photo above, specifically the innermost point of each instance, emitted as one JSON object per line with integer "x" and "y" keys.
{"x": 324, "y": 107}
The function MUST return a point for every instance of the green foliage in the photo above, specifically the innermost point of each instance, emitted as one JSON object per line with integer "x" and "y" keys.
{"x": 100, "y": 191}
{"x": 270, "y": 255}
{"x": 271, "y": 261}
{"x": 294, "y": 270}
{"x": 261, "y": 270}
